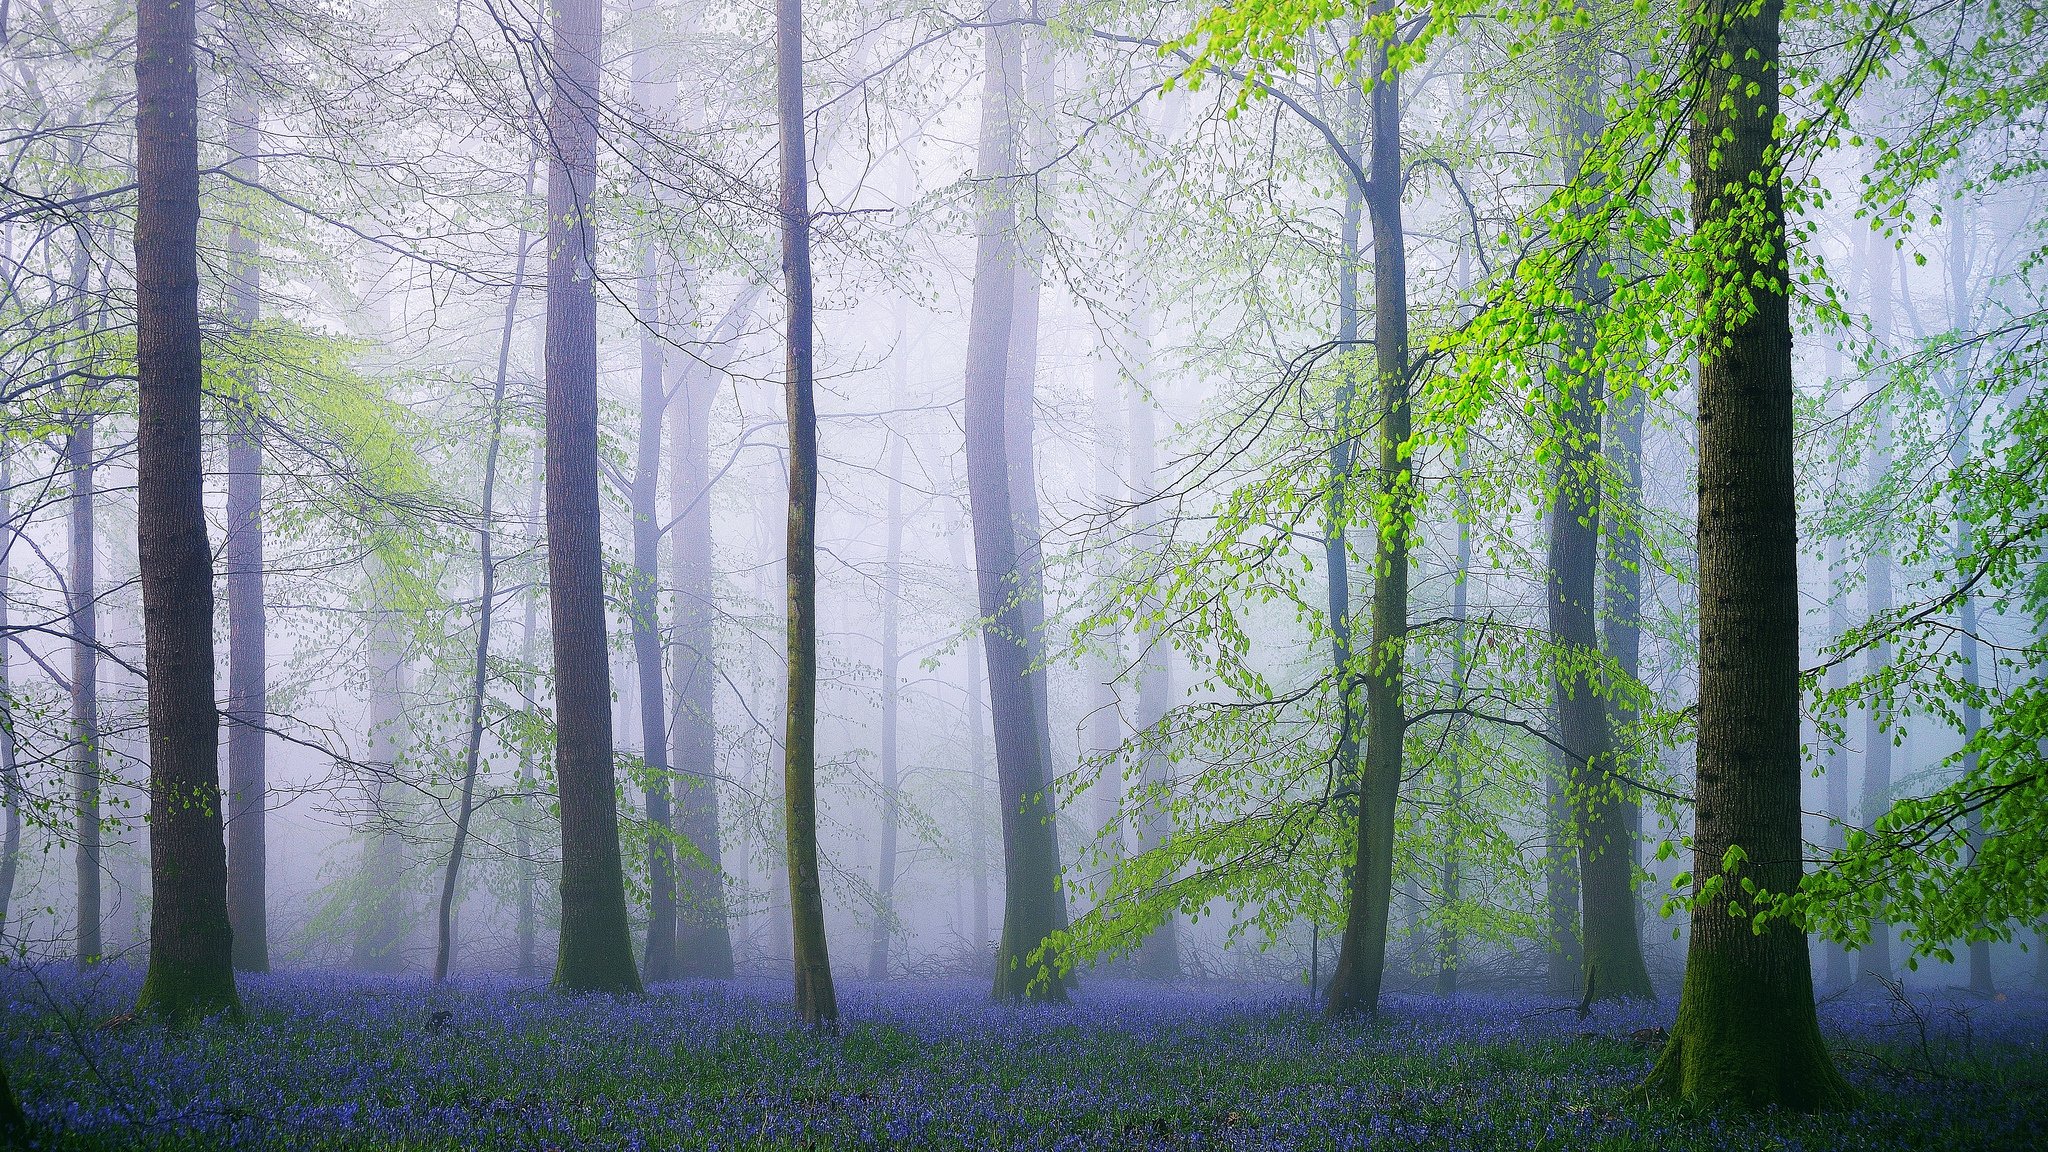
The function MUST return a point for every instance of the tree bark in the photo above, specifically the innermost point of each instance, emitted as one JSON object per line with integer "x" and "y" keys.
{"x": 1746, "y": 1034}
{"x": 487, "y": 602}
{"x": 82, "y": 589}
{"x": 1032, "y": 901}
{"x": 816, "y": 1002}
{"x": 891, "y": 671}
{"x": 248, "y": 695}
{"x": 1598, "y": 801}
{"x": 1158, "y": 956}
{"x": 596, "y": 949}
{"x": 704, "y": 932}
{"x": 191, "y": 969}
{"x": 1874, "y": 959}
{"x": 1361, "y": 961}
{"x": 10, "y": 768}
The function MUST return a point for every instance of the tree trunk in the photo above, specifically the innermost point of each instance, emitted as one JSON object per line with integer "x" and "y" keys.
{"x": 596, "y": 949}
{"x": 381, "y": 932}
{"x": 82, "y": 588}
{"x": 526, "y": 922}
{"x": 1336, "y": 530}
{"x": 977, "y": 765}
{"x": 1960, "y": 433}
{"x": 1623, "y": 626}
{"x": 1874, "y": 959}
{"x": 248, "y": 695}
{"x": 10, "y": 768}
{"x": 1746, "y": 1033}
{"x": 1032, "y": 900}
{"x": 191, "y": 969}
{"x": 1835, "y": 760}
{"x": 1158, "y": 956}
{"x": 1448, "y": 944}
{"x": 1611, "y": 953}
{"x": 892, "y": 593}
{"x": 815, "y": 1000}
{"x": 1361, "y": 961}
{"x": 1106, "y": 734}
{"x": 487, "y": 603}
{"x": 704, "y": 933}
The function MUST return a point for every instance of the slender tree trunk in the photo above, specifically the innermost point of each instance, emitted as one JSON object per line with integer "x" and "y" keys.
{"x": 1835, "y": 760}
{"x": 381, "y": 932}
{"x": 977, "y": 763}
{"x": 704, "y": 933}
{"x": 596, "y": 949}
{"x": 248, "y": 695}
{"x": 487, "y": 603}
{"x": 10, "y": 768}
{"x": 1599, "y": 801}
{"x": 82, "y": 587}
{"x": 1158, "y": 956}
{"x": 1960, "y": 433}
{"x": 191, "y": 970}
{"x": 1106, "y": 734}
{"x": 1874, "y": 959}
{"x": 1032, "y": 900}
{"x": 526, "y": 925}
{"x": 660, "y": 963}
{"x": 1361, "y": 961}
{"x": 1746, "y": 1033}
{"x": 1452, "y": 877}
{"x": 651, "y": 93}
{"x": 1349, "y": 773}
{"x": 1623, "y": 626}
{"x": 892, "y": 593}
{"x": 815, "y": 1000}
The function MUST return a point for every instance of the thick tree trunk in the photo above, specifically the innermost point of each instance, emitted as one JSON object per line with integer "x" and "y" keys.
{"x": 816, "y": 1002}
{"x": 1746, "y": 1033}
{"x": 248, "y": 693}
{"x": 191, "y": 969}
{"x": 1598, "y": 800}
{"x": 1032, "y": 901}
{"x": 1361, "y": 961}
{"x": 82, "y": 590}
{"x": 891, "y": 670}
{"x": 1338, "y": 512}
{"x": 596, "y": 949}
{"x": 1449, "y": 946}
{"x": 1874, "y": 959}
{"x": 487, "y": 603}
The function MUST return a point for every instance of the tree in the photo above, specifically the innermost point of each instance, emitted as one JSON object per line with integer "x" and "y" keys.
{"x": 191, "y": 969}
{"x": 1598, "y": 799}
{"x": 816, "y": 1003}
{"x": 10, "y": 768}
{"x": 82, "y": 589}
{"x": 703, "y": 931}
{"x": 596, "y": 950}
{"x": 1747, "y": 1034}
{"x": 1033, "y": 904}
{"x": 1361, "y": 962}
{"x": 892, "y": 689}
{"x": 1874, "y": 959}
{"x": 487, "y": 602}
{"x": 248, "y": 697}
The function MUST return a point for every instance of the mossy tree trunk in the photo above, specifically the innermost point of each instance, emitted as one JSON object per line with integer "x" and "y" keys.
{"x": 1747, "y": 1034}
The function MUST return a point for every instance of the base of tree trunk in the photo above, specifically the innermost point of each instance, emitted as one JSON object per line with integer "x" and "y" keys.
{"x": 1737, "y": 1044}
{"x": 179, "y": 993}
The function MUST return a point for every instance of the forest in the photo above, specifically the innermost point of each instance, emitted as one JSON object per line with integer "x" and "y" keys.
{"x": 1037, "y": 574}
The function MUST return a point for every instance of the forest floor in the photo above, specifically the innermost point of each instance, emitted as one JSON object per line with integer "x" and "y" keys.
{"x": 326, "y": 1061}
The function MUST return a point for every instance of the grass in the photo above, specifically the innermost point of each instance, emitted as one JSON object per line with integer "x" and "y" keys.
{"x": 331, "y": 1062}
